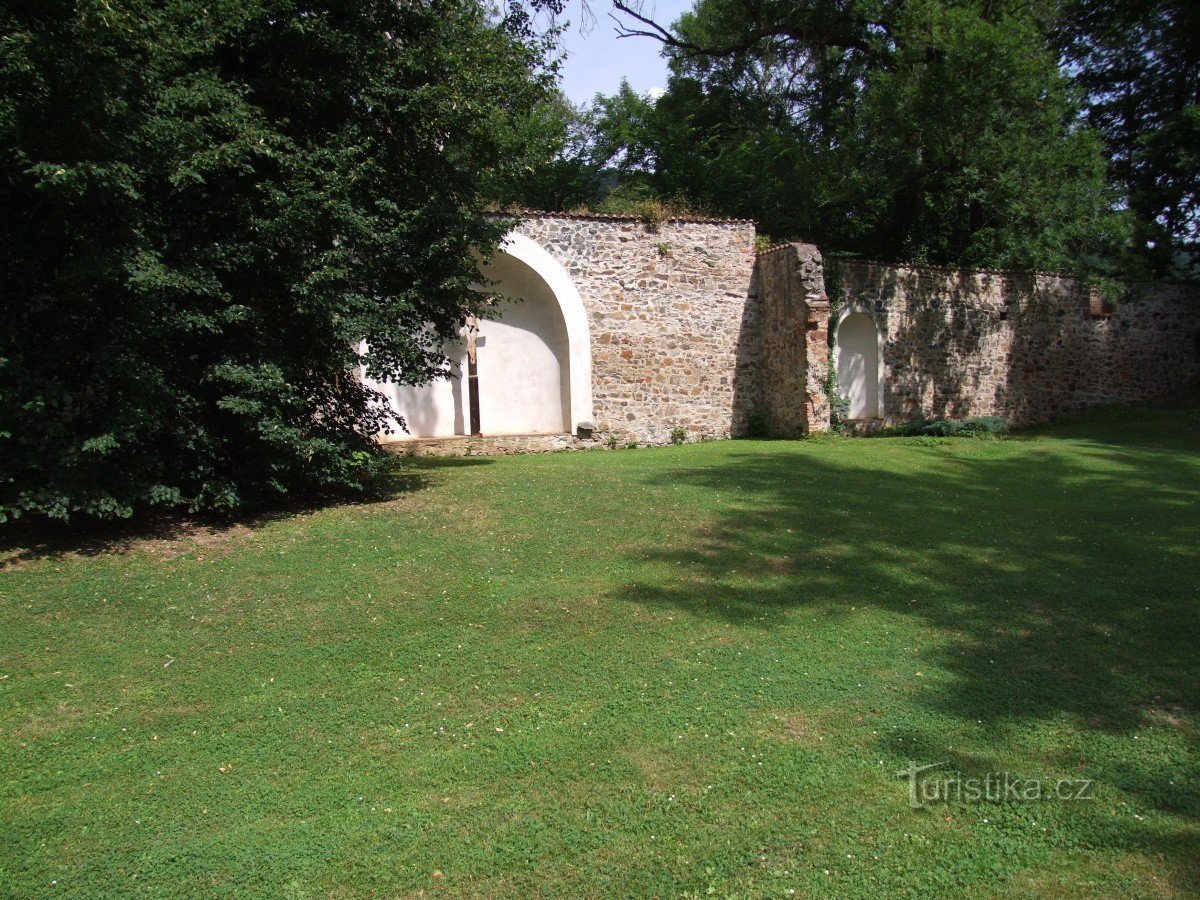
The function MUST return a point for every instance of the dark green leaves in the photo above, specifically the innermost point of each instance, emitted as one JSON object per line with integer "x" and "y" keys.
{"x": 210, "y": 208}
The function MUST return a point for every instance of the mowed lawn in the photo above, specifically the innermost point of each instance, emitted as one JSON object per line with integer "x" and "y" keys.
{"x": 676, "y": 672}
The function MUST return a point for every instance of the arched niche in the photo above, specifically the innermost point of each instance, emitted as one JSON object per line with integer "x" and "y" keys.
{"x": 534, "y": 358}
{"x": 857, "y": 359}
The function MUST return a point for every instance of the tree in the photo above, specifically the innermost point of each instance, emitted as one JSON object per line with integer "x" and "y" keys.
{"x": 931, "y": 131}
{"x": 1138, "y": 62}
{"x": 969, "y": 149}
{"x": 712, "y": 150}
{"x": 558, "y": 169}
{"x": 211, "y": 211}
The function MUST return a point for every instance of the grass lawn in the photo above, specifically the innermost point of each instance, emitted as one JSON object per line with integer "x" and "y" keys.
{"x": 687, "y": 671}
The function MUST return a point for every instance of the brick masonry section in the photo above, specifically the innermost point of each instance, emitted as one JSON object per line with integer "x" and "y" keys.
{"x": 1031, "y": 348}
{"x": 673, "y": 326}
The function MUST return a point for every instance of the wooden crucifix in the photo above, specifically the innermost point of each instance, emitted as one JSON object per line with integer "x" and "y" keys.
{"x": 473, "y": 374}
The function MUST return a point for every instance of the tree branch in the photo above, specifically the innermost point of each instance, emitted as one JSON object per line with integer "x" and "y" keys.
{"x": 761, "y": 30}
{"x": 667, "y": 39}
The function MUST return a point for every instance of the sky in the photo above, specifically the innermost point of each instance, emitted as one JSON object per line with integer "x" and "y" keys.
{"x": 597, "y": 60}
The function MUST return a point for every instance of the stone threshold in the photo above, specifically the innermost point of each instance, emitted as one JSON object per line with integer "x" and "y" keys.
{"x": 488, "y": 444}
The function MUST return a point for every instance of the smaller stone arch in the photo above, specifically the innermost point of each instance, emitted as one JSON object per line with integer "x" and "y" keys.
{"x": 858, "y": 359}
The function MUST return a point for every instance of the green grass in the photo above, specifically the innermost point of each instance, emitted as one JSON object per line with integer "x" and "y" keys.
{"x": 681, "y": 671}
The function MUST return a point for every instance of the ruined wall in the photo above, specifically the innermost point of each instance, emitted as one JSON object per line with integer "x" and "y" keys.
{"x": 689, "y": 329}
{"x": 673, "y": 326}
{"x": 794, "y": 356}
{"x": 1028, "y": 347}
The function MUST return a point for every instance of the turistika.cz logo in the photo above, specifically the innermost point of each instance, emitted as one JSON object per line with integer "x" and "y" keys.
{"x": 926, "y": 786}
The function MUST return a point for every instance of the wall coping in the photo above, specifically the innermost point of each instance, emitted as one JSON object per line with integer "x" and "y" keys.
{"x": 959, "y": 270}
{"x": 608, "y": 217}
{"x": 1026, "y": 273}
{"x": 775, "y": 248}
{"x": 964, "y": 270}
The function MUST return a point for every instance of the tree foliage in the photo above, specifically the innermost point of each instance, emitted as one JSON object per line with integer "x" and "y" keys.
{"x": 558, "y": 167}
{"x": 929, "y": 130}
{"x": 212, "y": 209}
{"x": 1138, "y": 62}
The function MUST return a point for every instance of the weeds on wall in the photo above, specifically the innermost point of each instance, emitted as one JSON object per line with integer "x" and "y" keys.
{"x": 630, "y": 200}
{"x": 678, "y": 435}
{"x": 839, "y": 403}
{"x": 1111, "y": 290}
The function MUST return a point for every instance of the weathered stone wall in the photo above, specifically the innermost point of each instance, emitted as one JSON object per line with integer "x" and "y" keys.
{"x": 1028, "y": 347}
{"x": 689, "y": 329}
{"x": 793, "y": 315}
{"x": 672, "y": 323}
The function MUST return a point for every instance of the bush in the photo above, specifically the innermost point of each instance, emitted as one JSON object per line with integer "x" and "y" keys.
{"x": 678, "y": 435}
{"x": 208, "y": 211}
{"x": 642, "y": 202}
{"x": 985, "y": 426}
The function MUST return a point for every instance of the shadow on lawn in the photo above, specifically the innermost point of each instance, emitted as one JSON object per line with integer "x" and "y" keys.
{"x": 1064, "y": 582}
{"x": 25, "y": 541}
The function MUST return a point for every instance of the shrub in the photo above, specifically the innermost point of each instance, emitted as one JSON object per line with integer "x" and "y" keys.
{"x": 208, "y": 211}
{"x": 641, "y": 201}
{"x": 678, "y": 435}
{"x": 985, "y": 426}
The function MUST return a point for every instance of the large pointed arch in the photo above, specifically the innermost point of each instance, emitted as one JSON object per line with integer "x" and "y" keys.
{"x": 579, "y": 343}
{"x": 534, "y": 358}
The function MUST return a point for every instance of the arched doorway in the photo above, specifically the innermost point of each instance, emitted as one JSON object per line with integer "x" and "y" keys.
{"x": 856, "y": 353}
{"x": 534, "y": 360}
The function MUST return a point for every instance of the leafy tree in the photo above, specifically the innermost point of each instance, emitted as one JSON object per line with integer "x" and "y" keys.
{"x": 211, "y": 209}
{"x": 1139, "y": 63}
{"x": 967, "y": 150}
{"x": 926, "y": 130}
{"x": 621, "y": 125}
{"x": 712, "y": 150}
{"x": 558, "y": 169}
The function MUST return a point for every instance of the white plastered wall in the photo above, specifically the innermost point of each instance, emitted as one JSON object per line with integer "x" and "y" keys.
{"x": 858, "y": 358}
{"x": 534, "y": 359}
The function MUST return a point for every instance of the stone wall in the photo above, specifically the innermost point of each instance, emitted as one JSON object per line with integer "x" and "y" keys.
{"x": 690, "y": 329}
{"x": 1030, "y": 347}
{"x": 673, "y": 328}
{"x": 793, "y": 315}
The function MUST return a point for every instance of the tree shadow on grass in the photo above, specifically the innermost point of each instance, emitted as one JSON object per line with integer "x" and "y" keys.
{"x": 1062, "y": 577}
{"x": 169, "y": 533}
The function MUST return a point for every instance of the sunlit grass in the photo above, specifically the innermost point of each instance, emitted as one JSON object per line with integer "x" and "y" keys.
{"x": 644, "y": 672}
